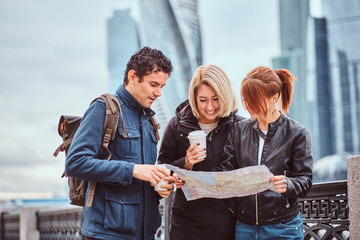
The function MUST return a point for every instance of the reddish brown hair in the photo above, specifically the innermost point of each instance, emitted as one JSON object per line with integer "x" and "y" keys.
{"x": 262, "y": 83}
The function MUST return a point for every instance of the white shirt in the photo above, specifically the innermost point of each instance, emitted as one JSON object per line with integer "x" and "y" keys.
{"x": 261, "y": 146}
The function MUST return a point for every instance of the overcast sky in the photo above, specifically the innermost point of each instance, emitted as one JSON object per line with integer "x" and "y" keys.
{"x": 53, "y": 62}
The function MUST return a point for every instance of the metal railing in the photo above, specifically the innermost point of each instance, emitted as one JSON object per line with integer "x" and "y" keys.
{"x": 325, "y": 211}
{"x": 325, "y": 214}
{"x": 10, "y": 226}
{"x": 60, "y": 225}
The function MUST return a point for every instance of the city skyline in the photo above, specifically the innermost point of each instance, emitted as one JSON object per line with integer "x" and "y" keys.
{"x": 53, "y": 62}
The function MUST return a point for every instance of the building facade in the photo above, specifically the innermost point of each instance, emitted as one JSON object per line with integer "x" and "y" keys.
{"x": 320, "y": 90}
{"x": 343, "y": 21}
{"x": 293, "y": 16}
{"x": 173, "y": 27}
{"x": 122, "y": 42}
{"x": 324, "y": 54}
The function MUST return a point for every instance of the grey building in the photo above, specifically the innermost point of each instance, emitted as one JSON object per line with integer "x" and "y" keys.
{"x": 293, "y": 15}
{"x": 324, "y": 54}
{"x": 122, "y": 43}
{"x": 320, "y": 90}
{"x": 343, "y": 23}
{"x": 173, "y": 27}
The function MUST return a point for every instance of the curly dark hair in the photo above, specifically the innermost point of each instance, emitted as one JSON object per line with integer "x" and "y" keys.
{"x": 146, "y": 61}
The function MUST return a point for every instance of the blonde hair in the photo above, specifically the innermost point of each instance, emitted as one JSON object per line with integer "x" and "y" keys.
{"x": 214, "y": 77}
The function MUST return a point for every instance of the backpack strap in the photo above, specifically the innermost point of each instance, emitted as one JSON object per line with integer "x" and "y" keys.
{"x": 156, "y": 126}
{"x": 112, "y": 114}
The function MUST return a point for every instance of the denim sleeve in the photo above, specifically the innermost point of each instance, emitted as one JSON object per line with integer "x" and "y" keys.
{"x": 81, "y": 160}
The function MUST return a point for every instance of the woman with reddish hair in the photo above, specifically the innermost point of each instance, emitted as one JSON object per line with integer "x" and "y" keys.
{"x": 271, "y": 138}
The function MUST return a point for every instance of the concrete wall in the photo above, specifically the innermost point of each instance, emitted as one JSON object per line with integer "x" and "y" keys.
{"x": 28, "y": 230}
{"x": 353, "y": 184}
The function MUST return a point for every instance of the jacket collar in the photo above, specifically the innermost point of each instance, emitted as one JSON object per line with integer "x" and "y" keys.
{"x": 271, "y": 126}
{"x": 131, "y": 102}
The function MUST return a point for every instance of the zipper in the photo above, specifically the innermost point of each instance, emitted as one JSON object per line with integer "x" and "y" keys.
{"x": 256, "y": 195}
{"x": 141, "y": 141}
{"x": 232, "y": 211}
{"x": 286, "y": 199}
{"x": 256, "y": 209}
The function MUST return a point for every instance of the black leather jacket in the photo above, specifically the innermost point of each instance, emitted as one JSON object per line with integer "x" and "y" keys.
{"x": 204, "y": 218}
{"x": 287, "y": 149}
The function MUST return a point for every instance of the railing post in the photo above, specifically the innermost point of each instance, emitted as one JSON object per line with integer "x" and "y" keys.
{"x": 353, "y": 171}
{"x": 28, "y": 224}
{"x": 167, "y": 211}
{"x": 2, "y": 226}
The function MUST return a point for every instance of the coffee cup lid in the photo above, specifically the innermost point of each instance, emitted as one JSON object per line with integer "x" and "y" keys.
{"x": 197, "y": 133}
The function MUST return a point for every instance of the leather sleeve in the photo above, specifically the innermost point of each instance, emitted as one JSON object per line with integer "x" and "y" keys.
{"x": 300, "y": 174}
{"x": 228, "y": 161}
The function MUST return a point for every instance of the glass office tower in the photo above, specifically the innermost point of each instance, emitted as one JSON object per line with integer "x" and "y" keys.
{"x": 343, "y": 20}
{"x": 173, "y": 27}
{"x": 293, "y": 15}
{"x": 320, "y": 90}
{"x": 122, "y": 43}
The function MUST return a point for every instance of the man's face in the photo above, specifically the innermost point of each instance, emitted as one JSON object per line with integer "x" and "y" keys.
{"x": 148, "y": 90}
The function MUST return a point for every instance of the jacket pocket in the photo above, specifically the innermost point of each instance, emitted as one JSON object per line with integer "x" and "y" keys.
{"x": 129, "y": 146}
{"x": 121, "y": 211}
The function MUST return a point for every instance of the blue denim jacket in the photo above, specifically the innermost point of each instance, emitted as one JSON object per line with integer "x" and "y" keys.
{"x": 123, "y": 207}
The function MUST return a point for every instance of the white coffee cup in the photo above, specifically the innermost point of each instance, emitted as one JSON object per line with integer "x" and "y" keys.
{"x": 162, "y": 181}
{"x": 198, "y": 137}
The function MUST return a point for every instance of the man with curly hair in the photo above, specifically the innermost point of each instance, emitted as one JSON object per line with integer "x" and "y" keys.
{"x": 125, "y": 204}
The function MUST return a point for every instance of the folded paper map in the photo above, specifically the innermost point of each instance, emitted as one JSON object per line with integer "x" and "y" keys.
{"x": 236, "y": 183}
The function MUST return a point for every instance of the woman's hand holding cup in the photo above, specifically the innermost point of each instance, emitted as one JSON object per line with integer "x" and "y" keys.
{"x": 194, "y": 154}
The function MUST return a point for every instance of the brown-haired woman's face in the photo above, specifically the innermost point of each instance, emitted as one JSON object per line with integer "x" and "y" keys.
{"x": 268, "y": 106}
{"x": 207, "y": 103}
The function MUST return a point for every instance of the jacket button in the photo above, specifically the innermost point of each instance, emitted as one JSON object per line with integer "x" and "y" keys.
{"x": 275, "y": 213}
{"x": 181, "y": 134}
{"x": 242, "y": 211}
{"x": 121, "y": 201}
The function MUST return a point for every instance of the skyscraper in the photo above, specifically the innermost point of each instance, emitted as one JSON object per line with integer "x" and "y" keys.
{"x": 293, "y": 15}
{"x": 173, "y": 27}
{"x": 320, "y": 96}
{"x": 122, "y": 43}
{"x": 324, "y": 54}
{"x": 343, "y": 18}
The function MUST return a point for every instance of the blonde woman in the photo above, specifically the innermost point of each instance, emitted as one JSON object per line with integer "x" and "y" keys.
{"x": 211, "y": 107}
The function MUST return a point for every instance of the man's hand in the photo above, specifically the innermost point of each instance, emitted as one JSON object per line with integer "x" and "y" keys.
{"x": 149, "y": 173}
{"x": 280, "y": 183}
{"x": 174, "y": 179}
{"x": 169, "y": 187}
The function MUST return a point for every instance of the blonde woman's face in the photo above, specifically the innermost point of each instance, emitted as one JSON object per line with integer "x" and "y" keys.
{"x": 208, "y": 104}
